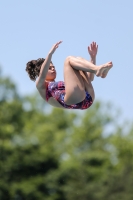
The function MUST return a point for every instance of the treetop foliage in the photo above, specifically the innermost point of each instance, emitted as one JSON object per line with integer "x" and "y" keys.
{"x": 54, "y": 154}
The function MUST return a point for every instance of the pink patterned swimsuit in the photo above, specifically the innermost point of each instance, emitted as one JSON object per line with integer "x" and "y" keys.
{"x": 57, "y": 91}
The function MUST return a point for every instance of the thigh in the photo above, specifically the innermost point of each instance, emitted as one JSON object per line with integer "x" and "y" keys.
{"x": 88, "y": 84}
{"x": 74, "y": 85}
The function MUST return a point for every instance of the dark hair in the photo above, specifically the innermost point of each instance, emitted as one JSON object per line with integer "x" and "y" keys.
{"x": 33, "y": 68}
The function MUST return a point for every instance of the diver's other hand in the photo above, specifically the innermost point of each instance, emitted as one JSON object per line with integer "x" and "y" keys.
{"x": 54, "y": 47}
{"x": 92, "y": 49}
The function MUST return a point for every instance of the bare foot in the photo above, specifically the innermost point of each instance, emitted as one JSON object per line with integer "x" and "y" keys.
{"x": 103, "y": 69}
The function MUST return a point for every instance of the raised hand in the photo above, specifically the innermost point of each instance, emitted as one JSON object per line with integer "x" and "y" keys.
{"x": 92, "y": 49}
{"x": 54, "y": 47}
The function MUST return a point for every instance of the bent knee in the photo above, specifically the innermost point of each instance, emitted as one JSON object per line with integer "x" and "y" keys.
{"x": 68, "y": 59}
{"x": 80, "y": 58}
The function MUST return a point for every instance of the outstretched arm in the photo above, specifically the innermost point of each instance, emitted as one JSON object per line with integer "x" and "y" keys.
{"x": 43, "y": 72}
{"x": 92, "y": 50}
{"x": 45, "y": 66}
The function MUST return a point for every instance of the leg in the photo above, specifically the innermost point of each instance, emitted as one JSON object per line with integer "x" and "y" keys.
{"x": 74, "y": 82}
{"x": 88, "y": 84}
{"x": 84, "y": 65}
{"x": 74, "y": 85}
{"x": 90, "y": 75}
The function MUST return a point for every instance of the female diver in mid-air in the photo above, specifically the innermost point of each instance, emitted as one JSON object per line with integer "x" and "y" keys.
{"x": 76, "y": 91}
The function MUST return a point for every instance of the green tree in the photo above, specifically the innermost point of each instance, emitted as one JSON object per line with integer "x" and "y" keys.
{"x": 55, "y": 154}
{"x": 119, "y": 183}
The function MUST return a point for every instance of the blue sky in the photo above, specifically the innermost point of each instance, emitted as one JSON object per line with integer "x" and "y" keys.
{"x": 30, "y": 28}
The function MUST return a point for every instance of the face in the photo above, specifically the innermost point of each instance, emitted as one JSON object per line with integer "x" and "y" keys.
{"x": 51, "y": 75}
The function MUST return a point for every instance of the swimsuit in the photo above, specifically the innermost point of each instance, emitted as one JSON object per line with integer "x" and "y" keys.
{"x": 57, "y": 91}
